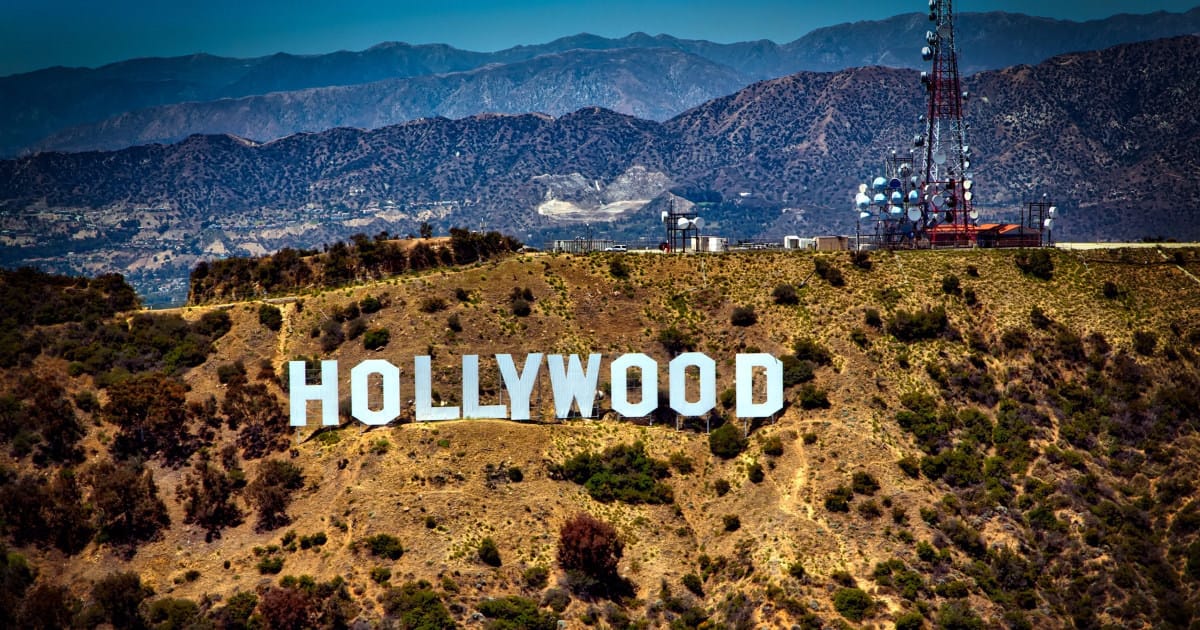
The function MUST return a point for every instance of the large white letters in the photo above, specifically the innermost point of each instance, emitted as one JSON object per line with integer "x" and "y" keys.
{"x": 300, "y": 392}
{"x": 470, "y": 391}
{"x": 620, "y": 385}
{"x": 571, "y": 381}
{"x": 423, "y": 391}
{"x": 360, "y": 392}
{"x": 708, "y": 384}
{"x": 744, "y": 377}
{"x": 573, "y": 384}
{"x": 519, "y": 386}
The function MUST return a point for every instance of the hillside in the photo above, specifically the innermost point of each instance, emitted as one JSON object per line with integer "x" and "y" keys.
{"x": 144, "y": 100}
{"x": 1111, "y": 135}
{"x": 1026, "y": 461}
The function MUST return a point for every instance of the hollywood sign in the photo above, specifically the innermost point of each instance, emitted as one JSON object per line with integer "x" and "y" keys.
{"x": 573, "y": 384}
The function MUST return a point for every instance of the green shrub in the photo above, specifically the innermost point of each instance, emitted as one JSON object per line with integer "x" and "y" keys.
{"x": 516, "y": 613}
{"x": 827, "y": 272}
{"x": 370, "y": 304}
{"x": 838, "y": 499}
{"x": 380, "y": 575}
{"x": 809, "y": 350}
{"x": 1145, "y": 342}
{"x": 681, "y": 463}
{"x": 773, "y": 446}
{"x": 852, "y": 603}
{"x": 864, "y": 483}
{"x": 454, "y": 323}
{"x": 384, "y": 546}
{"x": 731, "y": 522}
{"x": 743, "y": 316}
{"x": 620, "y": 473}
{"x": 755, "y": 473}
{"x": 957, "y": 615}
{"x": 675, "y": 341}
{"x": 270, "y": 316}
{"x": 489, "y": 553}
{"x": 812, "y": 397}
{"x": 432, "y": 304}
{"x": 536, "y": 577}
{"x": 1036, "y": 263}
{"x": 871, "y": 318}
{"x": 951, "y": 285}
{"x": 617, "y": 268}
{"x": 691, "y": 582}
{"x": 416, "y": 605}
{"x": 721, "y": 487}
{"x": 726, "y": 441}
{"x": 911, "y": 620}
{"x": 270, "y": 564}
{"x": 521, "y": 308}
{"x": 785, "y": 294}
{"x": 918, "y": 325}
{"x": 376, "y": 338}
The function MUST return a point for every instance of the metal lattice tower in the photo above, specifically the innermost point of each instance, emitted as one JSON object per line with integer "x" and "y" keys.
{"x": 946, "y": 170}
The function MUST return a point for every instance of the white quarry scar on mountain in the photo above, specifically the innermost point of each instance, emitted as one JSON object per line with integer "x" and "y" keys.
{"x": 575, "y": 197}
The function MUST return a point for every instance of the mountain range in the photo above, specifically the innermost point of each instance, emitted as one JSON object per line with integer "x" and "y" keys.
{"x": 164, "y": 100}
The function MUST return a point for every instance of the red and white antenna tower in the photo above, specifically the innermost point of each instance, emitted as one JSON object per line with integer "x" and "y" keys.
{"x": 946, "y": 176}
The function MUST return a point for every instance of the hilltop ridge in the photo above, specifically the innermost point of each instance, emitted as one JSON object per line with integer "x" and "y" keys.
{"x": 994, "y": 435}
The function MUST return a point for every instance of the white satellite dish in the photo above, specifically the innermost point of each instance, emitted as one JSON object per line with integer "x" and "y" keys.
{"x": 939, "y": 158}
{"x": 913, "y": 196}
{"x": 905, "y": 170}
{"x": 682, "y": 223}
{"x": 968, "y": 195}
{"x": 1049, "y": 223}
{"x": 914, "y": 214}
{"x": 664, "y": 216}
{"x": 966, "y": 163}
{"x": 897, "y": 210}
{"x": 974, "y": 214}
{"x": 926, "y": 53}
{"x": 897, "y": 197}
{"x": 967, "y": 184}
{"x": 966, "y": 148}
{"x": 699, "y": 223}
{"x": 1053, "y": 211}
{"x": 880, "y": 183}
{"x": 862, "y": 188}
{"x": 937, "y": 201}
{"x": 862, "y": 200}
{"x": 969, "y": 175}
{"x": 864, "y": 215}
{"x": 880, "y": 199}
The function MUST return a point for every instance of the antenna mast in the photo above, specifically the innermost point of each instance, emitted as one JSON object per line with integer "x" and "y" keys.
{"x": 946, "y": 177}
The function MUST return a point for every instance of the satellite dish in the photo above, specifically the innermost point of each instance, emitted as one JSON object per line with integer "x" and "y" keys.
{"x": 682, "y": 223}
{"x": 664, "y": 216}
{"x": 952, "y": 201}
{"x": 966, "y": 163}
{"x": 1053, "y": 211}
{"x": 968, "y": 195}
{"x": 864, "y": 215}
{"x": 862, "y": 188}
{"x": 880, "y": 199}
{"x": 879, "y": 183}
{"x": 969, "y": 174}
{"x": 896, "y": 210}
{"x": 905, "y": 170}
{"x": 927, "y": 53}
{"x": 913, "y": 180}
{"x": 699, "y": 223}
{"x": 895, "y": 183}
{"x": 862, "y": 200}
{"x": 938, "y": 201}
{"x": 913, "y": 196}
{"x": 897, "y": 197}
{"x": 974, "y": 214}
{"x": 966, "y": 148}
{"x": 967, "y": 184}
{"x": 914, "y": 214}
{"x": 1049, "y": 223}
{"x": 918, "y": 140}
{"x": 939, "y": 158}
{"x": 931, "y": 38}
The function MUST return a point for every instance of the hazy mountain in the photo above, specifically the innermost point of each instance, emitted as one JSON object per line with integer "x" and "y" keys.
{"x": 654, "y": 83}
{"x": 1112, "y": 135}
{"x": 38, "y": 104}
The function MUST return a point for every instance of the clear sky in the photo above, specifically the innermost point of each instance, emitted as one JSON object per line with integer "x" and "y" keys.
{"x": 40, "y": 33}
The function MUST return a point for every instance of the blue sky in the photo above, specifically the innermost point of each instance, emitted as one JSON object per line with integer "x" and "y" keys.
{"x": 40, "y": 33}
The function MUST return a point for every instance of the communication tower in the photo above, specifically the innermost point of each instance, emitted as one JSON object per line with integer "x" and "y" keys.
{"x": 946, "y": 178}
{"x": 682, "y": 226}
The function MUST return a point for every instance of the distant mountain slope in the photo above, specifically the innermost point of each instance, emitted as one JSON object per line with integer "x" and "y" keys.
{"x": 1112, "y": 135}
{"x": 654, "y": 83}
{"x": 38, "y": 104}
